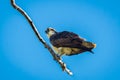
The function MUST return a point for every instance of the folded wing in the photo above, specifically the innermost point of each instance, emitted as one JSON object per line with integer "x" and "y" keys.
{"x": 66, "y": 39}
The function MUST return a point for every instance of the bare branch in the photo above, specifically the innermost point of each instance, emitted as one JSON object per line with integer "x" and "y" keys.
{"x": 57, "y": 58}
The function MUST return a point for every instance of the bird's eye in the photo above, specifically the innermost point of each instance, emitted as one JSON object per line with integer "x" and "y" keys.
{"x": 52, "y": 29}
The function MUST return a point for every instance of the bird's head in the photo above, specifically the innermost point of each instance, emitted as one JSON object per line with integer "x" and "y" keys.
{"x": 50, "y": 31}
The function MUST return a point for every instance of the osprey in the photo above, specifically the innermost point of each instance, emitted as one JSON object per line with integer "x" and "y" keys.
{"x": 68, "y": 43}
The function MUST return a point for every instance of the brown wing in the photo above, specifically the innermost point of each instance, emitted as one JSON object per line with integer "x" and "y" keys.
{"x": 66, "y": 39}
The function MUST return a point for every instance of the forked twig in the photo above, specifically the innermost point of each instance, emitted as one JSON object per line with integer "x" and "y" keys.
{"x": 57, "y": 58}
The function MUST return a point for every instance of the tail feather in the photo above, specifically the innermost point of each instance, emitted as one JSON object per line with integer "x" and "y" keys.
{"x": 88, "y": 46}
{"x": 91, "y": 51}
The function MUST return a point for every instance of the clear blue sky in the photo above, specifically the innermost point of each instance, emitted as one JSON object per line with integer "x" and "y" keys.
{"x": 23, "y": 57}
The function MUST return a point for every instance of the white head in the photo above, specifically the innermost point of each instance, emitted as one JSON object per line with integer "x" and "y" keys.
{"x": 50, "y": 31}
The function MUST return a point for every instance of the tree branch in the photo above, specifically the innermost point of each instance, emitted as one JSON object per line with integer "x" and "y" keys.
{"x": 57, "y": 58}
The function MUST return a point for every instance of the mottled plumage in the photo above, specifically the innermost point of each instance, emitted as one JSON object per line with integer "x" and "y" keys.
{"x": 68, "y": 43}
{"x": 66, "y": 39}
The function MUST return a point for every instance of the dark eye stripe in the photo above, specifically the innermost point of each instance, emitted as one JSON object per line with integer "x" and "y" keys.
{"x": 52, "y": 29}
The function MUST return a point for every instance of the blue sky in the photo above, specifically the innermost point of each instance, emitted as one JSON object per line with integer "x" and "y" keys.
{"x": 23, "y": 57}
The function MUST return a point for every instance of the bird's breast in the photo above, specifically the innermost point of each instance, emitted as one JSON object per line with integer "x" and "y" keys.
{"x": 67, "y": 50}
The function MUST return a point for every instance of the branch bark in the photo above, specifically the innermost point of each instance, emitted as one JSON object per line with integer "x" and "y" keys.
{"x": 56, "y": 58}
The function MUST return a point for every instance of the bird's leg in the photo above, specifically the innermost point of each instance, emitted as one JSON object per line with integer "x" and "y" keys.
{"x": 60, "y": 51}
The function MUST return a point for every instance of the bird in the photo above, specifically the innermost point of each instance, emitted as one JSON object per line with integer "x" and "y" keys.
{"x": 68, "y": 43}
